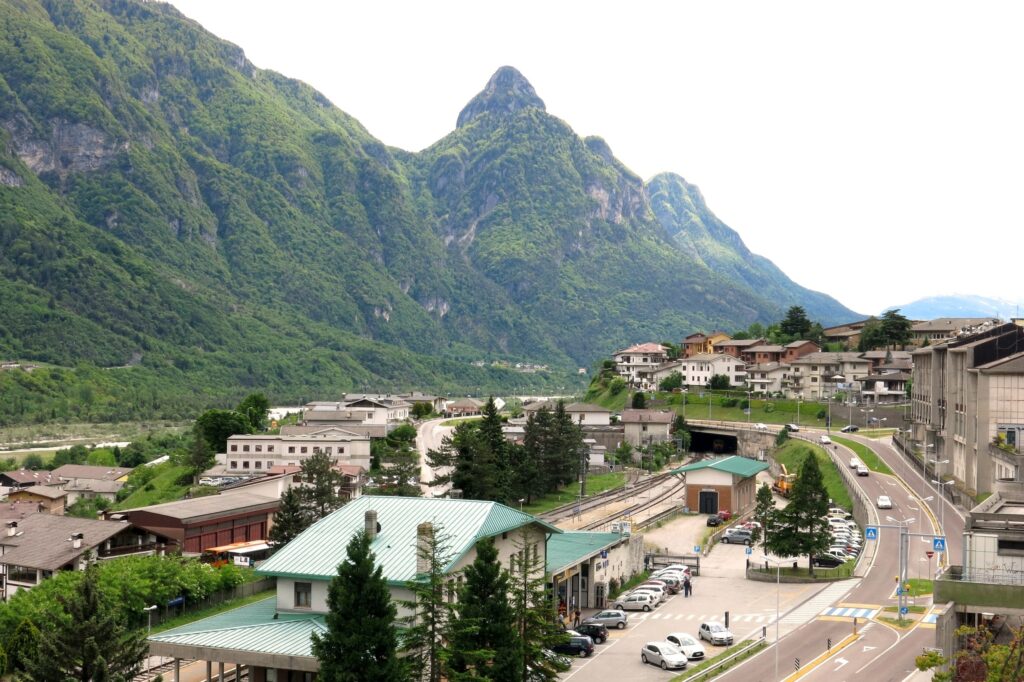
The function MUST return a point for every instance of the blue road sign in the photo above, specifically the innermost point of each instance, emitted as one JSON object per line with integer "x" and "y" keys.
{"x": 696, "y": 549}
{"x": 939, "y": 543}
{"x": 899, "y": 590}
{"x": 904, "y": 610}
{"x": 871, "y": 533}
{"x": 750, "y": 550}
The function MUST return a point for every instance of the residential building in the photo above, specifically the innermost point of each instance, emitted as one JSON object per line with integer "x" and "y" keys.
{"x": 817, "y": 376}
{"x": 586, "y": 414}
{"x": 767, "y": 378}
{"x": 90, "y": 482}
{"x": 197, "y": 524}
{"x": 798, "y": 349}
{"x": 880, "y": 360}
{"x": 847, "y": 334}
{"x": 395, "y": 408}
{"x": 883, "y": 389}
{"x": 271, "y": 638}
{"x": 25, "y": 478}
{"x": 734, "y": 347}
{"x": 415, "y": 398}
{"x": 646, "y": 427}
{"x": 255, "y": 454}
{"x": 722, "y": 483}
{"x": 763, "y": 354}
{"x": 943, "y": 328}
{"x": 49, "y": 498}
{"x": 635, "y": 364}
{"x": 34, "y": 548}
{"x": 967, "y": 394}
{"x": 701, "y": 344}
{"x": 367, "y": 421}
{"x": 698, "y": 370}
{"x": 464, "y": 407}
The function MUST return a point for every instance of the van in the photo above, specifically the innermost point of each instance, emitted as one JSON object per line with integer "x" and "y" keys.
{"x": 854, "y": 462}
{"x": 636, "y": 601}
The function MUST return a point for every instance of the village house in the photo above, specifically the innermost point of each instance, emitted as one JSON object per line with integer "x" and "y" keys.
{"x": 817, "y": 376}
{"x": 763, "y": 354}
{"x": 735, "y": 347}
{"x": 703, "y": 344}
{"x": 256, "y": 454}
{"x": 697, "y": 371}
{"x": 635, "y": 364}
{"x": 646, "y": 427}
{"x": 767, "y": 379}
{"x": 463, "y": 407}
{"x": 50, "y": 498}
{"x": 798, "y": 349}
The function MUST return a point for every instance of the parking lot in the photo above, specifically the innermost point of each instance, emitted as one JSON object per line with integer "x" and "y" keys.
{"x": 721, "y": 587}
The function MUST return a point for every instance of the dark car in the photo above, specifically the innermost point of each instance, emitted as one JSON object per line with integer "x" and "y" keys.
{"x": 828, "y": 561}
{"x": 594, "y": 631}
{"x": 576, "y": 646}
{"x": 714, "y": 520}
{"x": 850, "y": 428}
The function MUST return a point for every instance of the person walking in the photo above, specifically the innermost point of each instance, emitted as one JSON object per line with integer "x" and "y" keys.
{"x": 576, "y": 618}
{"x": 687, "y": 587}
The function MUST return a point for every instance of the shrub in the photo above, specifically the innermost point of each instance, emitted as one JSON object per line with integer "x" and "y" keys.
{"x": 617, "y": 386}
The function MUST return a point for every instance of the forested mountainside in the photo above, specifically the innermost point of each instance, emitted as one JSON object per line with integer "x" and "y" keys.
{"x": 178, "y": 227}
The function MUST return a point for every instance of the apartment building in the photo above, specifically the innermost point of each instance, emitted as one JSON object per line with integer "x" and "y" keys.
{"x": 635, "y": 364}
{"x": 816, "y": 376}
{"x": 968, "y": 404}
{"x": 256, "y": 454}
{"x": 701, "y": 344}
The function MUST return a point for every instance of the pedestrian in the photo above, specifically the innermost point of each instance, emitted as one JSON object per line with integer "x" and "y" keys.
{"x": 576, "y": 618}
{"x": 686, "y": 586}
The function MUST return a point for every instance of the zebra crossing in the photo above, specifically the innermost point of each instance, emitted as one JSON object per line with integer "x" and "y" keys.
{"x": 850, "y": 612}
{"x": 760, "y": 618}
{"x": 813, "y": 607}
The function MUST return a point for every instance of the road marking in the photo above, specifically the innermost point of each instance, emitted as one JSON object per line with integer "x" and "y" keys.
{"x": 814, "y": 606}
{"x": 850, "y": 612}
{"x": 845, "y": 642}
{"x": 841, "y": 662}
{"x": 867, "y": 648}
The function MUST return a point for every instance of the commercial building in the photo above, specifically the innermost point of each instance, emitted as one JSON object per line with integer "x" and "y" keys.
{"x": 722, "y": 483}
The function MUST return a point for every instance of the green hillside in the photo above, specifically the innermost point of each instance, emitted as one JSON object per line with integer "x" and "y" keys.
{"x": 178, "y": 227}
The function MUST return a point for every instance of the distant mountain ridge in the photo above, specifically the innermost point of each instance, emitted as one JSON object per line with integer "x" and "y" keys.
{"x": 205, "y": 226}
{"x": 960, "y": 305}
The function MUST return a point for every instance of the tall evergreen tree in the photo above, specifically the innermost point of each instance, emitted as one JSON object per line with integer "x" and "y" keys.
{"x": 427, "y": 636}
{"x": 896, "y": 329}
{"x": 485, "y": 639}
{"x": 764, "y": 513}
{"x": 94, "y": 646}
{"x": 490, "y": 427}
{"x": 534, "y": 613}
{"x": 795, "y": 325}
{"x": 361, "y": 643}
{"x": 802, "y": 528}
{"x": 320, "y": 485}
{"x": 22, "y": 645}
{"x": 537, "y": 478}
{"x": 568, "y": 452}
{"x": 290, "y": 519}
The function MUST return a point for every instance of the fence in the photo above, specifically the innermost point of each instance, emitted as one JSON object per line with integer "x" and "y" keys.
{"x": 167, "y": 612}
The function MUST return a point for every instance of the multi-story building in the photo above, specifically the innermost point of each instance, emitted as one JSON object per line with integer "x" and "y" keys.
{"x": 967, "y": 398}
{"x": 933, "y": 331}
{"x": 256, "y": 454}
{"x": 635, "y": 364}
{"x": 701, "y": 344}
{"x": 646, "y": 427}
{"x": 884, "y": 389}
{"x": 767, "y": 378}
{"x": 697, "y": 370}
{"x": 734, "y": 347}
{"x": 817, "y": 376}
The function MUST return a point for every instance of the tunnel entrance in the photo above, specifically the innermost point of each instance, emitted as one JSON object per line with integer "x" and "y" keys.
{"x": 714, "y": 443}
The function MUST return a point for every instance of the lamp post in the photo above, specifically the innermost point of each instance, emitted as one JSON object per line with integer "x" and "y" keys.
{"x": 149, "y": 629}
{"x": 799, "y": 399}
{"x": 749, "y": 407}
{"x": 940, "y": 487}
{"x": 836, "y": 380}
{"x": 904, "y": 526}
{"x": 866, "y": 413}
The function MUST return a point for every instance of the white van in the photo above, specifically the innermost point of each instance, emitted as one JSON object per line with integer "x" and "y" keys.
{"x": 854, "y": 462}
{"x": 636, "y": 601}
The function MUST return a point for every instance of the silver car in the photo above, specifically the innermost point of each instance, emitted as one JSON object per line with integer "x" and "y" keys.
{"x": 664, "y": 654}
{"x": 610, "y": 618}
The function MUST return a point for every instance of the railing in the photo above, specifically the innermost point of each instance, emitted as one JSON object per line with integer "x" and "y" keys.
{"x": 986, "y": 588}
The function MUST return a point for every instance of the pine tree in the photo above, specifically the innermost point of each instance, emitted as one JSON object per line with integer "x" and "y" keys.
{"x": 764, "y": 513}
{"x": 485, "y": 640}
{"x": 96, "y": 645}
{"x": 425, "y": 640}
{"x": 534, "y": 613}
{"x": 290, "y": 519}
{"x": 22, "y": 645}
{"x": 490, "y": 427}
{"x": 802, "y": 528}
{"x": 567, "y": 451}
{"x": 320, "y": 485}
{"x": 361, "y": 644}
{"x": 539, "y": 478}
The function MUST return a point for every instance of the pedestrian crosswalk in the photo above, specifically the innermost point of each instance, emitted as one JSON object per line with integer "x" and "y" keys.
{"x": 811, "y": 608}
{"x": 850, "y": 612}
{"x": 931, "y": 618}
{"x": 761, "y": 618}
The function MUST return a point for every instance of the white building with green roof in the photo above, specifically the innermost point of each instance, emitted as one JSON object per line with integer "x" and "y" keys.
{"x": 274, "y": 635}
{"x": 722, "y": 484}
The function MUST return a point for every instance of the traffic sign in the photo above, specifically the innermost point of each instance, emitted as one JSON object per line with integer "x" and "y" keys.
{"x": 939, "y": 543}
{"x": 899, "y": 590}
{"x": 930, "y": 554}
{"x": 871, "y": 533}
{"x": 750, "y": 550}
{"x": 904, "y": 610}
{"x": 696, "y": 549}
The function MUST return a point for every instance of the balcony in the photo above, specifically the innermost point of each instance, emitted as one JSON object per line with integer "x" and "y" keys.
{"x": 982, "y": 591}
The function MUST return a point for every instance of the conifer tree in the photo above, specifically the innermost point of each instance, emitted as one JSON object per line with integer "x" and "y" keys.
{"x": 95, "y": 646}
{"x": 361, "y": 644}
{"x": 290, "y": 519}
{"x": 320, "y": 485}
{"x": 802, "y": 528}
{"x": 764, "y": 513}
{"x": 485, "y": 639}
{"x": 426, "y": 637}
{"x": 534, "y": 613}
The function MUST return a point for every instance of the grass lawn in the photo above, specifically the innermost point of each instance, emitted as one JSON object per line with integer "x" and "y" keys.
{"x": 919, "y": 586}
{"x": 865, "y": 454}
{"x": 695, "y": 673}
{"x": 460, "y": 420}
{"x": 616, "y": 402}
{"x": 793, "y": 453}
{"x": 163, "y": 488}
{"x": 876, "y": 433}
{"x": 910, "y": 609}
{"x": 762, "y": 411}
{"x": 193, "y": 616}
{"x": 597, "y": 483}
{"x": 897, "y": 622}
{"x": 844, "y": 571}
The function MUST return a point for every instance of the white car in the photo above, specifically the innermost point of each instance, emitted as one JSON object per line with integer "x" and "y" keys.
{"x": 663, "y": 654}
{"x": 862, "y": 470}
{"x": 642, "y": 601}
{"x": 884, "y": 502}
{"x": 658, "y": 593}
{"x": 715, "y": 633}
{"x": 825, "y": 440}
{"x": 688, "y": 644}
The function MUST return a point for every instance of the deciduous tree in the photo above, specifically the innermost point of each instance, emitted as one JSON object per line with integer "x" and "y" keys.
{"x": 254, "y": 408}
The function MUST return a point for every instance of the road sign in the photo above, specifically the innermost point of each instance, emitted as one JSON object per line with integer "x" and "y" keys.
{"x": 696, "y": 549}
{"x": 899, "y": 590}
{"x": 939, "y": 543}
{"x": 904, "y": 610}
{"x": 871, "y": 533}
{"x": 930, "y": 554}
{"x": 750, "y": 550}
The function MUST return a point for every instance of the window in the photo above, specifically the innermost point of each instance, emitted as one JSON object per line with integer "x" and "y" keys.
{"x": 259, "y": 464}
{"x": 291, "y": 450}
{"x": 259, "y": 448}
{"x": 245, "y": 464}
{"x": 245, "y": 448}
{"x": 303, "y": 595}
{"x": 234, "y": 464}
{"x": 21, "y": 574}
{"x": 303, "y": 449}
{"x": 234, "y": 448}
{"x": 341, "y": 450}
{"x": 270, "y": 463}
{"x": 270, "y": 448}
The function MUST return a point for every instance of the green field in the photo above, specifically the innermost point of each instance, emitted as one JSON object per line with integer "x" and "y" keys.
{"x": 865, "y": 454}
{"x": 793, "y": 453}
{"x": 762, "y": 411}
{"x": 597, "y": 483}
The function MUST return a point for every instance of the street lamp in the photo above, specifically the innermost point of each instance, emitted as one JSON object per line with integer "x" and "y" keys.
{"x": 940, "y": 487}
{"x": 799, "y": 399}
{"x": 904, "y": 527}
{"x": 866, "y": 417}
{"x": 149, "y": 629}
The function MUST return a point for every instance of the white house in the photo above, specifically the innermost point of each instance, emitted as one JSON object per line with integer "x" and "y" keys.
{"x": 635, "y": 364}
{"x": 586, "y": 414}
{"x": 255, "y": 454}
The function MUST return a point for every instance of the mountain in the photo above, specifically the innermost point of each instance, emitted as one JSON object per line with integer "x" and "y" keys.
{"x": 960, "y": 306}
{"x": 178, "y": 227}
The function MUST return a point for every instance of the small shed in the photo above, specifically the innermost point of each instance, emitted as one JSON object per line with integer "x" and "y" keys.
{"x": 722, "y": 483}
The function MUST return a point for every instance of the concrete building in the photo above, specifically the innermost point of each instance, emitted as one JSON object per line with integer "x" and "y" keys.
{"x": 586, "y": 414}
{"x": 722, "y": 483}
{"x": 968, "y": 394}
{"x": 762, "y": 354}
{"x": 698, "y": 370}
{"x": 703, "y": 344}
{"x": 944, "y": 328}
{"x": 646, "y": 427}
{"x": 768, "y": 378}
{"x": 256, "y": 454}
{"x": 581, "y": 564}
{"x": 270, "y": 639}
{"x": 816, "y": 376}
{"x": 798, "y": 349}
{"x": 884, "y": 389}
{"x": 635, "y": 364}
{"x": 367, "y": 421}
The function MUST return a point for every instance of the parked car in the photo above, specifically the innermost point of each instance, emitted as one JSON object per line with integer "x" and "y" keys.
{"x": 714, "y": 520}
{"x": 688, "y": 644}
{"x": 884, "y": 502}
{"x": 610, "y": 618}
{"x": 737, "y": 536}
{"x": 850, "y": 428}
{"x": 636, "y": 601}
{"x": 594, "y": 631}
{"x": 862, "y": 470}
{"x": 580, "y": 645}
{"x": 670, "y": 587}
{"x": 791, "y": 428}
{"x": 827, "y": 561}
{"x": 659, "y": 594}
{"x": 825, "y": 440}
{"x": 724, "y": 514}
{"x": 715, "y": 633}
{"x": 663, "y": 654}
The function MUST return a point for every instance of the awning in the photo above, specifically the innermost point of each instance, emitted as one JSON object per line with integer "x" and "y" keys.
{"x": 249, "y": 550}
{"x": 238, "y": 547}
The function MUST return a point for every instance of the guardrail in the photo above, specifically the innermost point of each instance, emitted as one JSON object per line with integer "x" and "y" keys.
{"x": 712, "y": 670}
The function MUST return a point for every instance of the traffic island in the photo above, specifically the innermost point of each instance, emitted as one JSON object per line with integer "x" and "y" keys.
{"x": 713, "y": 667}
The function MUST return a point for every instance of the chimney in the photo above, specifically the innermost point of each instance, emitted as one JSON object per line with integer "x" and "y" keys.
{"x": 424, "y": 539}
{"x": 12, "y": 527}
{"x": 370, "y": 525}
{"x": 76, "y": 540}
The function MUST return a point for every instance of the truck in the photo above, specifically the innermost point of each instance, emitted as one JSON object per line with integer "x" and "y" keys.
{"x": 783, "y": 485}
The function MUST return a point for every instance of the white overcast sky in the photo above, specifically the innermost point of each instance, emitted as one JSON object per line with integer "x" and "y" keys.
{"x": 872, "y": 150}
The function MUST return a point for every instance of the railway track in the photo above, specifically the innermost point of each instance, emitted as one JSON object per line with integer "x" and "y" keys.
{"x": 635, "y": 509}
{"x": 605, "y": 498}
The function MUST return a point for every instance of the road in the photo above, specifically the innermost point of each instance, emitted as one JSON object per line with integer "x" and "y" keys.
{"x": 429, "y": 435}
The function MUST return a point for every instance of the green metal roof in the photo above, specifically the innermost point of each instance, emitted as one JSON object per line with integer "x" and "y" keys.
{"x": 316, "y": 553}
{"x": 570, "y": 548}
{"x": 251, "y": 628}
{"x": 733, "y": 464}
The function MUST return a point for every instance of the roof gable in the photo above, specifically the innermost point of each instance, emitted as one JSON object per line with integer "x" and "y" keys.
{"x": 734, "y": 464}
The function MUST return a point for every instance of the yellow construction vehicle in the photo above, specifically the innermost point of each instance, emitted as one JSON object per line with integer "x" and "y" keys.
{"x": 784, "y": 483}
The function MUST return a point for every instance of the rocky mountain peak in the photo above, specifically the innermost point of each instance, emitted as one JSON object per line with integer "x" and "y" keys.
{"x": 506, "y": 92}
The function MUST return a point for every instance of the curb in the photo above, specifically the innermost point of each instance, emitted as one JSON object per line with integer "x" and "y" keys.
{"x": 847, "y": 641}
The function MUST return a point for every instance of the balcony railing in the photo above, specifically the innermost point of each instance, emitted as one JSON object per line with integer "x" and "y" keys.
{"x": 983, "y": 588}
